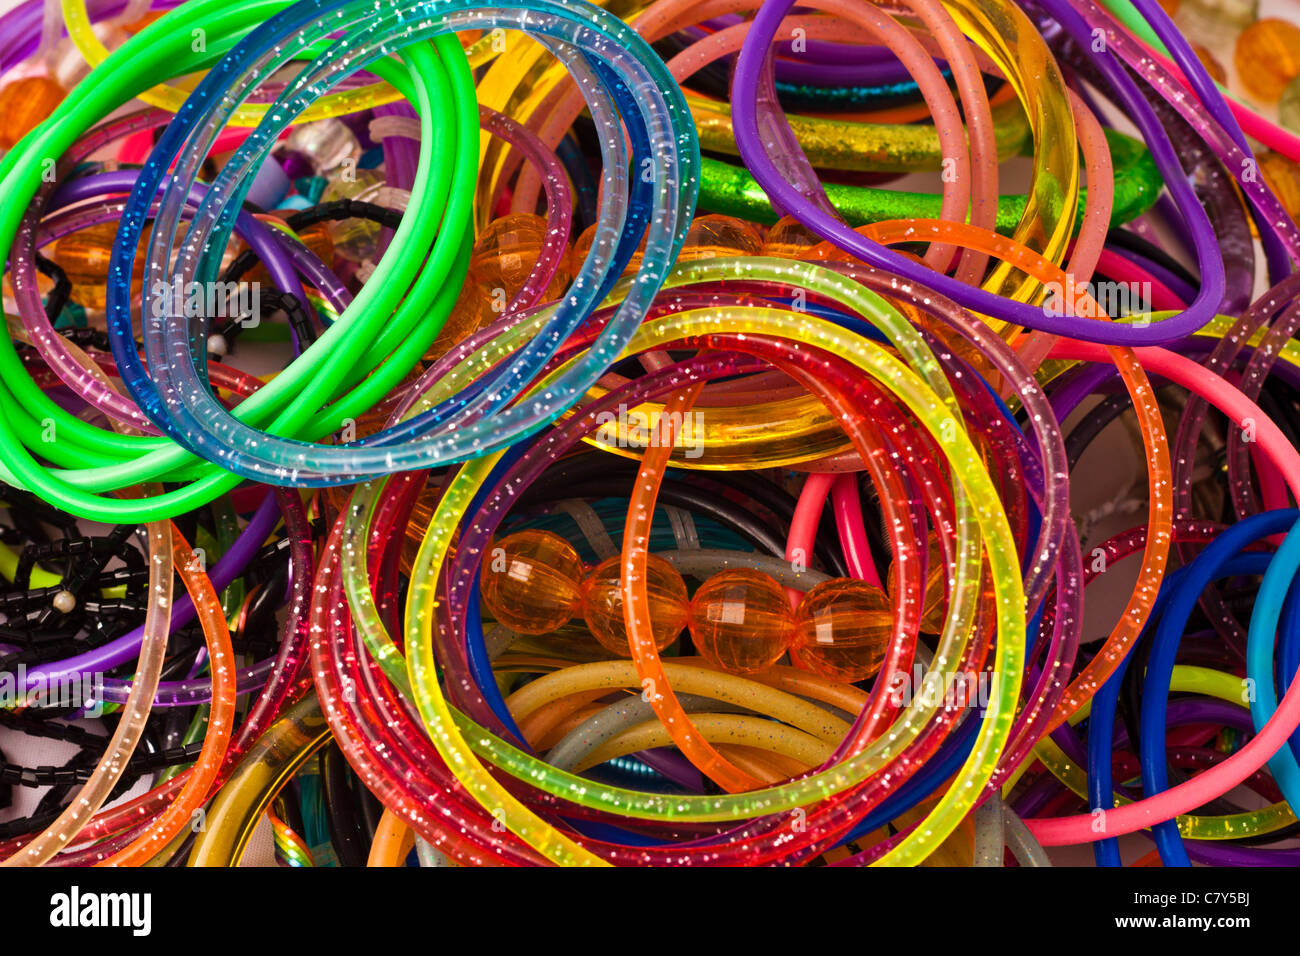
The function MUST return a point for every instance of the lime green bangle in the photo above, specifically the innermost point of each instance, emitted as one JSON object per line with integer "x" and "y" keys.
{"x": 731, "y": 190}
{"x": 90, "y": 461}
{"x": 864, "y": 147}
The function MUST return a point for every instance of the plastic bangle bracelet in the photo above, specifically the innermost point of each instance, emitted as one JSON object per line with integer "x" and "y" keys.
{"x": 637, "y": 614}
{"x": 1271, "y": 135}
{"x": 733, "y": 191}
{"x": 1164, "y": 805}
{"x": 387, "y": 454}
{"x": 947, "y": 123}
{"x": 1112, "y": 550}
{"x": 393, "y": 841}
{"x": 192, "y": 22}
{"x": 426, "y": 548}
{"x": 216, "y": 739}
{"x": 1280, "y": 235}
{"x": 1185, "y": 680}
{"x": 1047, "y": 95}
{"x": 1206, "y": 566}
{"x": 1158, "y": 467}
{"x": 1219, "y": 361}
{"x": 126, "y": 737}
{"x": 238, "y": 805}
{"x": 355, "y": 735}
{"x": 1022, "y": 315}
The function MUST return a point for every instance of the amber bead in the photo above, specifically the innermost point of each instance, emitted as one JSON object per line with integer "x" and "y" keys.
{"x": 602, "y": 604}
{"x": 583, "y": 246}
{"x": 505, "y": 253}
{"x": 842, "y": 629}
{"x": 1212, "y": 66}
{"x": 84, "y": 257}
{"x": 741, "y": 621}
{"x": 1283, "y": 177}
{"x": 719, "y": 237}
{"x": 1268, "y": 57}
{"x": 935, "y": 607}
{"x": 472, "y": 310}
{"x": 531, "y": 581}
{"x": 24, "y": 105}
{"x": 318, "y": 239}
{"x": 789, "y": 239}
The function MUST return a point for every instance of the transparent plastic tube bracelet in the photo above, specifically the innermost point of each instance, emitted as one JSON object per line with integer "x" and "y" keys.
{"x": 299, "y": 461}
{"x": 445, "y": 735}
{"x": 65, "y": 487}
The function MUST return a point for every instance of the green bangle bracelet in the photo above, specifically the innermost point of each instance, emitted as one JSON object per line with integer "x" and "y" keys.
{"x": 864, "y": 147}
{"x": 38, "y": 438}
{"x": 731, "y": 190}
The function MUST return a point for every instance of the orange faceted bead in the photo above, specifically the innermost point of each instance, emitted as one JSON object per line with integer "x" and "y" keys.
{"x": 24, "y": 105}
{"x": 790, "y": 239}
{"x": 84, "y": 256}
{"x": 602, "y": 604}
{"x": 588, "y": 238}
{"x": 531, "y": 581}
{"x": 1283, "y": 177}
{"x": 319, "y": 240}
{"x": 505, "y": 253}
{"x": 719, "y": 237}
{"x": 1268, "y": 57}
{"x": 741, "y": 621}
{"x": 472, "y": 310}
{"x": 1212, "y": 66}
{"x": 935, "y": 607}
{"x": 842, "y": 629}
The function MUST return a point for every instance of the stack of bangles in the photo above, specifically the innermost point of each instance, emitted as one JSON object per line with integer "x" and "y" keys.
{"x": 668, "y": 433}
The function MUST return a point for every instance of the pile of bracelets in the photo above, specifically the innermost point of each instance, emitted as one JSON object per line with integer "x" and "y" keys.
{"x": 650, "y": 433}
